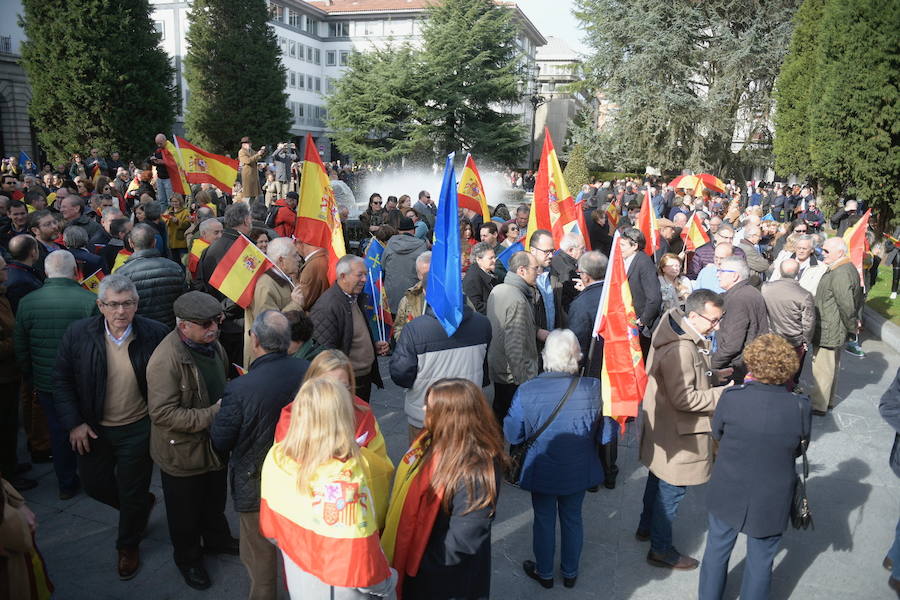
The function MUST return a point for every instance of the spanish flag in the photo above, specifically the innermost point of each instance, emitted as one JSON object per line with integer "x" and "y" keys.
{"x": 197, "y": 248}
{"x": 92, "y": 282}
{"x": 330, "y": 528}
{"x": 646, "y": 222}
{"x": 857, "y": 243}
{"x": 133, "y": 186}
{"x": 121, "y": 257}
{"x": 318, "y": 222}
{"x": 201, "y": 166}
{"x": 694, "y": 235}
{"x": 238, "y": 271}
{"x": 612, "y": 216}
{"x": 413, "y": 510}
{"x": 553, "y": 207}
{"x": 175, "y": 169}
{"x": 622, "y": 375}
{"x": 470, "y": 190}
{"x": 96, "y": 173}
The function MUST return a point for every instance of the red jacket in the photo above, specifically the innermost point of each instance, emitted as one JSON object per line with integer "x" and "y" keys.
{"x": 285, "y": 219}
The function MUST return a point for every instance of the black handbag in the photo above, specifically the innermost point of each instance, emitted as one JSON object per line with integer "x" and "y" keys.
{"x": 801, "y": 515}
{"x": 517, "y": 452}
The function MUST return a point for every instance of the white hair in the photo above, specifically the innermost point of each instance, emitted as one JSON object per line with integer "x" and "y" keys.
{"x": 423, "y": 259}
{"x": 561, "y": 352}
{"x": 60, "y": 263}
{"x": 571, "y": 240}
{"x": 206, "y": 226}
{"x": 280, "y": 248}
{"x": 738, "y": 265}
{"x": 346, "y": 263}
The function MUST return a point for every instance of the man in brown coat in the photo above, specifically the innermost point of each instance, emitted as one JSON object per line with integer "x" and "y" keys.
{"x": 792, "y": 310}
{"x": 274, "y": 292}
{"x": 313, "y": 273}
{"x": 675, "y": 441}
{"x": 249, "y": 169}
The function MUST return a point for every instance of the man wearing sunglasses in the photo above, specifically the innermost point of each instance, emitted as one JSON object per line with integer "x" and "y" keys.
{"x": 186, "y": 379}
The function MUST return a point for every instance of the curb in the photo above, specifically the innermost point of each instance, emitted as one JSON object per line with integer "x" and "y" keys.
{"x": 882, "y": 328}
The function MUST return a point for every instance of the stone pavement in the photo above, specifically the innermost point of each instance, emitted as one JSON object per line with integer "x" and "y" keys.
{"x": 855, "y": 500}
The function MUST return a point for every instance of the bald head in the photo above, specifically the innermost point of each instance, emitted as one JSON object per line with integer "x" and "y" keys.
{"x": 160, "y": 139}
{"x": 724, "y": 250}
{"x": 789, "y": 268}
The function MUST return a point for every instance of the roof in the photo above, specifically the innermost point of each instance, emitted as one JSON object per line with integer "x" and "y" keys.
{"x": 558, "y": 50}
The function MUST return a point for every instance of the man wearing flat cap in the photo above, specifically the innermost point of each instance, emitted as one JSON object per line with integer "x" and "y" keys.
{"x": 186, "y": 378}
{"x": 249, "y": 170}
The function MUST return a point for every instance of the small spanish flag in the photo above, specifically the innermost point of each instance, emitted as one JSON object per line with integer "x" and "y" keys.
{"x": 197, "y": 248}
{"x": 470, "y": 190}
{"x": 240, "y": 370}
{"x": 121, "y": 257}
{"x": 694, "y": 235}
{"x": 612, "y": 216}
{"x": 92, "y": 282}
{"x": 96, "y": 173}
{"x": 238, "y": 271}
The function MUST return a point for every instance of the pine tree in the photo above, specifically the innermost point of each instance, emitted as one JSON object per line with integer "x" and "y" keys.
{"x": 576, "y": 172}
{"x": 793, "y": 91}
{"x": 98, "y": 77}
{"x": 235, "y": 76}
{"x": 470, "y": 74}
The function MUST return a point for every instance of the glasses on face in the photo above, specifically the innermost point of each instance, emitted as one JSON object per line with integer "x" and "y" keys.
{"x": 550, "y": 251}
{"x": 376, "y": 203}
{"x": 208, "y": 322}
{"x": 513, "y": 228}
{"x": 712, "y": 322}
{"x": 117, "y": 305}
{"x": 725, "y": 271}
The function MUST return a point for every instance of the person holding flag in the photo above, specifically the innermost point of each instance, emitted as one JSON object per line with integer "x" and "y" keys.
{"x": 164, "y": 189}
{"x": 643, "y": 281}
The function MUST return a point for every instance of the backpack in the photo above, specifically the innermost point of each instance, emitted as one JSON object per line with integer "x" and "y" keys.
{"x": 270, "y": 216}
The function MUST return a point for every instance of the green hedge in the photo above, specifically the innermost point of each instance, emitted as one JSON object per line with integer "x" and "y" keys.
{"x": 611, "y": 175}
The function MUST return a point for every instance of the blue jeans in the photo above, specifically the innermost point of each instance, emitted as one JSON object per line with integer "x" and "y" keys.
{"x": 757, "y": 579}
{"x": 544, "y": 532}
{"x": 164, "y": 192}
{"x": 661, "y": 502}
{"x": 894, "y": 553}
{"x": 64, "y": 461}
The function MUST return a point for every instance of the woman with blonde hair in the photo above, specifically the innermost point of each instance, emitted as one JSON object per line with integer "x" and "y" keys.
{"x": 674, "y": 286}
{"x": 316, "y": 504}
{"x": 438, "y": 533}
{"x": 334, "y": 365}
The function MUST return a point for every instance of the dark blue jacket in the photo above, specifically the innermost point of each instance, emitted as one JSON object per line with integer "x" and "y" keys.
{"x": 245, "y": 425}
{"x": 88, "y": 262}
{"x": 563, "y": 460}
{"x": 759, "y": 428}
{"x": 889, "y": 407}
{"x": 582, "y": 313}
{"x": 21, "y": 280}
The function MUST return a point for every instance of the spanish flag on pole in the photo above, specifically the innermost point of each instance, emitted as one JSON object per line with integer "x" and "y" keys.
{"x": 92, "y": 282}
{"x": 553, "y": 207}
{"x": 857, "y": 243}
{"x": 201, "y": 166}
{"x": 238, "y": 271}
{"x": 197, "y": 248}
{"x": 646, "y": 222}
{"x": 121, "y": 257}
{"x": 318, "y": 222}
{"x": 612, "y": 216}
{"x": 694, "y": 235}
{"x": 176, "y": 169}
{"x": 471, "y": 191}
{"x": 622, "y": 375}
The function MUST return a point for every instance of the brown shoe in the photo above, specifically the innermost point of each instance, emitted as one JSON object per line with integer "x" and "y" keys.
{"x": 894, "y": 584}
{"x": 129, "y": 563}
{"x": 674, "y": 561}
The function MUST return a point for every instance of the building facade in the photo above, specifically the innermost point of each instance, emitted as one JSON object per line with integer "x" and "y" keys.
{"x": 16, "y": 134}
{"x": 555, "y": 105}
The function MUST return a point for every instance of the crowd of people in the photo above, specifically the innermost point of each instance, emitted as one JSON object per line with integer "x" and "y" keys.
{"x": 156, "y": 366}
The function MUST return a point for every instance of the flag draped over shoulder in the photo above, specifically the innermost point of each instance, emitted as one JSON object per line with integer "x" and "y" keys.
{"x": 444, "y": 290}
{"x": 318, "y": 222}
{"x": 471, "y": 190}
{"x": 622, "y": 375}
{"x": 239, "y": 270}
{"x": 553, "y": 207}
{"x": 646, "y": 222}
{"x": 376, "y": 304}
{"x": 92, "y": 282}
{"x": 857, "y": 243}
{"x": 413, "y": 510}
{"x": 201, "y": 166}
{"x": 694, "y": 235}
{"x": 197, "y": 248}
{"x": 121, "y": 257}
{"x": 330, "y": 532}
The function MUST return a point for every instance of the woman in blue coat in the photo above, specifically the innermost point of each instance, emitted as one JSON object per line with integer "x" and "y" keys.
{"x": 563, "y": 462}
{"x": 759, "y": 426}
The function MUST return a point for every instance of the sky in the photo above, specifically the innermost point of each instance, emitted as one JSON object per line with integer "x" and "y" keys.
{"x": 554, "y": 17}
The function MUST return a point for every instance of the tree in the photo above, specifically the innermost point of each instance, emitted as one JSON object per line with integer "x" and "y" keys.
{"x": 470, "y": 72}
{"x": 235, "y": 76}
{"x": 98, "y": 77}
{"x": 692, "y": 80}
{"x": 576, "y": 172}
{"x": 372, "y": 110}
{"x": 792, "y": 91}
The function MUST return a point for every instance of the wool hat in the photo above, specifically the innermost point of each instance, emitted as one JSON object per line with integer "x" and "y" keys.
{"x": 196, "y": 306}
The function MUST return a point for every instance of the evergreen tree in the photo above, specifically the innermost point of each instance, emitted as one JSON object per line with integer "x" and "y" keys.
{"x": 98, "y": 77}
{"x": 373, "y": 106}
{"x": 854, "y": 122}
{"x": 576, "y": 172}
{"x": 793, "y": 91}
{"x": 470, "y": 73}
{"x": 235, "y": 76}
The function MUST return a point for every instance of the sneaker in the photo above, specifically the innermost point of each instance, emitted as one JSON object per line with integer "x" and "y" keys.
{"x": 853, "y": 347}
{"x": 893, "y": 295}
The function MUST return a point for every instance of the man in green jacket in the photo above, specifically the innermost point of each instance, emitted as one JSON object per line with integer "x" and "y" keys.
{"x": 838, "y": 300}
{"x": 42, "y": 319}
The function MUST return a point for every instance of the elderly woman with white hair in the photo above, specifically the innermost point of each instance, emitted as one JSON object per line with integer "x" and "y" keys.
{"x": 557, "y": 415}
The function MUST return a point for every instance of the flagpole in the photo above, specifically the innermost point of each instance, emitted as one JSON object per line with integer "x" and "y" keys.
{"x": 376, "y": 309}
{"x": 381, "y": 304}
{"x": 274, "y": 266}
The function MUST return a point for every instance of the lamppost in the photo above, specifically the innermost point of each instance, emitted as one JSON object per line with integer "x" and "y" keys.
{"x": 536, "y": 100}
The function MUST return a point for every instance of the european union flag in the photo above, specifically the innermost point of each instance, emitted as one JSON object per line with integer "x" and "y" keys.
{"x": 444, "y": 291}
{"x": 507, "y": 254}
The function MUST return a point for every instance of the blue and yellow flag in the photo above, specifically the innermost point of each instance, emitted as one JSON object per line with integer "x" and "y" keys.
{"x": 376, "y": 304}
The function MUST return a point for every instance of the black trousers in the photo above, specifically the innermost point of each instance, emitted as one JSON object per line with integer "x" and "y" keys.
{"x": 363, "y": 386}
{"x": 503, "y": 395}
{"x": 9, "y": 428}
{"x": 609, "y": 454}
{"x": 195, "y": 507}
{"x": 117, "y": 473}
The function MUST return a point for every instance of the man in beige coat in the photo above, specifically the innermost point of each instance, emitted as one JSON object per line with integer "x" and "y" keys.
{"x": 274, "y": 292}
{"x": 249, "y": 170}
{"x": 675, "y": 441}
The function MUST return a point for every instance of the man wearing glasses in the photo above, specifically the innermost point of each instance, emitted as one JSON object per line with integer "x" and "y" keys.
{"x": 101, "y": 400}
{"x": 705, "y": 254}
{"x": 426, "y": 208}
{"x": 675, "y": 441}
{"x": 186, "y": 377}
{"x": 541, "y": 247}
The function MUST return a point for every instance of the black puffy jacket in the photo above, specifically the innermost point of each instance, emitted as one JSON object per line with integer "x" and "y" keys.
{"x": 245, "y": 425}
{"x": 159, "y": 282}
{"x": 79, "y": 392}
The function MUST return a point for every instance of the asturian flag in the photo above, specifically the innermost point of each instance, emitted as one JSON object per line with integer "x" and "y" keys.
{"x": 376, "y": 303}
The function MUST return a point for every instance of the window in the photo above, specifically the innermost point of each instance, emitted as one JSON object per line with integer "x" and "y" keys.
{"x": 329, "y": 85}
{"x": 293, "y": 79}
{"x": 317, "y": 57}
{"x": 373, "y": 28}
{"x": 300, "y": 50}
{"x": 330, "y": 58}
{"x": 276, "y": 12}
{"x": 318, "y": 81}
{"x": 340, "y": 29}
{"x": 309, "y": 82}
{"x": 301, "y": 81}
{"x": 158, "y": 26}
{"x": 300, "y": 111}
{"x": 292, "y": 49}
{"x": 398, "y": 27}
{"x": 294, "y": 18}
{"x": 345, "y": 57}
{"x": 309, "y": 54}
{"x": 312, "y": 26}
{"x": 6, "y": 44}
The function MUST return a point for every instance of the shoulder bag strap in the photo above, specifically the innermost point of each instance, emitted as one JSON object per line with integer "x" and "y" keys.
{"x": 555, "y": 412}
{"x": 803, "y": 444}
